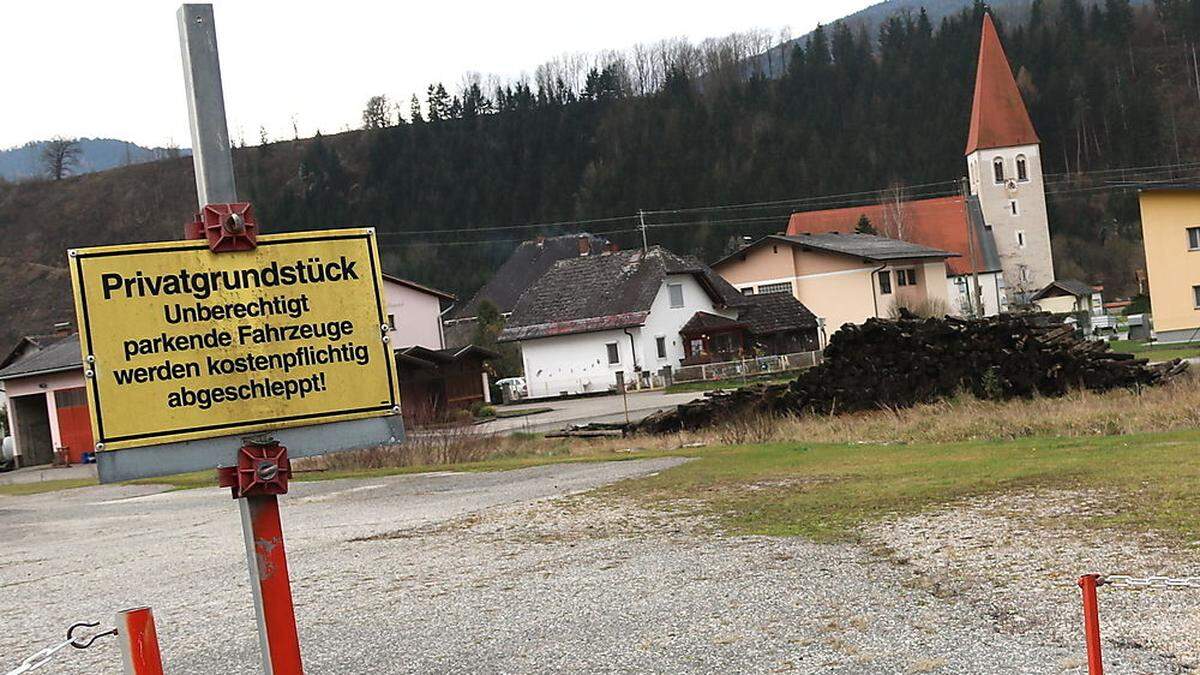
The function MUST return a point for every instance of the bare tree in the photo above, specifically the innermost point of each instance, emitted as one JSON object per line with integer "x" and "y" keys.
{"x": 60, "y": 156}
{"x": 378, "y": 113}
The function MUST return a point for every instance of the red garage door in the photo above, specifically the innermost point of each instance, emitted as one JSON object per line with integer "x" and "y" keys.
{"x": 74, "y": 426}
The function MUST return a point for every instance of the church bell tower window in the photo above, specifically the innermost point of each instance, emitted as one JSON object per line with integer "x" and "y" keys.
{"x": 998, "y": 169}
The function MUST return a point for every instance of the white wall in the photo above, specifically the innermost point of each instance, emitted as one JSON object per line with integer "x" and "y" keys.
{"x": 578, "y": 364}
{"x": 575, "y": 364}
{"x": 1030, "y": 196}
{"x": 417, "y": 316}
{"x": 665, "y": 321}
{"x": 991, "y": 287}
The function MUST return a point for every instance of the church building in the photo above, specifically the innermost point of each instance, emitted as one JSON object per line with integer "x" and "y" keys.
{"x": 1000, "y": 231}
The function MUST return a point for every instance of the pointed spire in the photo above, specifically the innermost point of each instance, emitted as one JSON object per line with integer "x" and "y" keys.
{"x": 999, "y": 118}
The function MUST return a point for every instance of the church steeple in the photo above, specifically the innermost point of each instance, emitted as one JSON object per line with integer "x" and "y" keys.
{"x": 999, "y": 118}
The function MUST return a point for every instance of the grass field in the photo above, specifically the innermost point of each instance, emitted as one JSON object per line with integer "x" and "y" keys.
{"x": 822, "y": 477}
{"x": 825, "y": 491}
{"x": 1157, "y": 352}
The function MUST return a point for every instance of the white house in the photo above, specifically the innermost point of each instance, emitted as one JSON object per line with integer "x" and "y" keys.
{"x": 589, "y": 318}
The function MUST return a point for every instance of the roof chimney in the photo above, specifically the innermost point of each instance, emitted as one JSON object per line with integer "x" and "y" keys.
{"x": 62, "y": 328}
{"x": 585, "y": 245}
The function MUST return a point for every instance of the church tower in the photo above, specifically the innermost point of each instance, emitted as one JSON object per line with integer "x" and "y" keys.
{"x": 1004, "y": 165}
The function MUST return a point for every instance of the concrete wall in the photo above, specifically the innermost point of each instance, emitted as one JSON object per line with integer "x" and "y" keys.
{"x": 991, "y": 292}
{"x": 1031, "y": 218}
{"x": 1062, "y": 304}
{"x": 576, "y": 364}
{"x": 45, "y": 385}
{"x": 416, "y": 315}
{"x": 1174, "y": 269}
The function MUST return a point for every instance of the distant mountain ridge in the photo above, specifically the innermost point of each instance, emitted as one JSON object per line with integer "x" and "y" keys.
{"x": 96, "y": 154}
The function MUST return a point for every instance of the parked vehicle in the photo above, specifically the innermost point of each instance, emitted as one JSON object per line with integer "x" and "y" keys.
{"x": 8, "y": 460}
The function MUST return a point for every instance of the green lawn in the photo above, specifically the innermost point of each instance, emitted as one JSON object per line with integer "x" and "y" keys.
{"x": 22, "y": 489}
{"x": 825, "y": 491}
{"x": 1157, "y": 352}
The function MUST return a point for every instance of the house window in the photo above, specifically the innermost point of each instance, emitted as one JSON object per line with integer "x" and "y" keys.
{"x": 660, "y": 343}
{"x": 785, "y": 287}
{"x": 1024, "y": 274}
{"x": 1194, "y": 238}
{"x": 998, "y": 169}
{"x": 1196, "y": 295}
{"x": 885, "y": 283}
{"x": 749, "y": 290}
{"x": 675, "y": 293}
{"x": 901, "y": 278}
{"x": 912, "y": 276}
{"x": 1020, "y": 238}
{"x": 392, "y": 321}
{"x": 614, "y": 354}
{"x": 1013, "y": 208}
{"x": 1022, "y": 169}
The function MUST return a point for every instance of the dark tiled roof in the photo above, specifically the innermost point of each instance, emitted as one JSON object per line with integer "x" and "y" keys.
{"x": 606, "y": 292}
{"x": 1071, "y": 286}
{"x": 53, "y": 354}
{"x": 865, "y": 246}
{"x": 525, "y": 266}
{"x": 776, "y": 312}
{"x": 702, "y": 321}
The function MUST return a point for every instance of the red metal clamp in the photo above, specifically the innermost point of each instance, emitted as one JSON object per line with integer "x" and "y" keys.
{"x": 262, "y": 469}
{"x": 227, "y": 227}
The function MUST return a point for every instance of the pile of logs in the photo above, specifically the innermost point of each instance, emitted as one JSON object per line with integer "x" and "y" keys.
{"x": 905, "y": 362}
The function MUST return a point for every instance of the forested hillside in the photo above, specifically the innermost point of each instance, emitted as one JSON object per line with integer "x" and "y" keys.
{"x": 590, "y": 142}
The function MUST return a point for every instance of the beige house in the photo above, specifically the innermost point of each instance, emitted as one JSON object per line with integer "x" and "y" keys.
{"x": 1171, "y": 232}
{"x": 842, "y": 278}
{"x": 1069, "y": 296}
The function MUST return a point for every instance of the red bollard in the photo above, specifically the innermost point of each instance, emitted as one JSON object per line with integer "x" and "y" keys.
{"x": 139, "y": 642}
{"x": 1091, "y": 622}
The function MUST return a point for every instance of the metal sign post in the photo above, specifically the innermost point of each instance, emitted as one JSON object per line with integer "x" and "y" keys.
{"x": 266, "y": 557}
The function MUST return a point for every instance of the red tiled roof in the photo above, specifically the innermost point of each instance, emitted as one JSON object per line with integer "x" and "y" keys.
{"x": 999, "y": 118}
{"x": 940, "y": 223}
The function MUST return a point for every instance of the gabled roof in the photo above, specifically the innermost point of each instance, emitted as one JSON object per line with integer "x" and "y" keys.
{"x": 944, "y": 223}
{"x": 867, "y": 247}
{"x": 999, "y": 118}
{"x": 706, "y": 321}
{"x": 450, "y": 297}
{"x": 1072, "y": 287}
{"x": 776, "y": 313}
{"x": 606, "y": 292}
{"x": 45, "y": 354}
{"x": 526, "y": 265}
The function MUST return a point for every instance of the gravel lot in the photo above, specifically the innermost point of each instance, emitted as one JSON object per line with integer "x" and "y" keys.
{"x": 502, "y": 573}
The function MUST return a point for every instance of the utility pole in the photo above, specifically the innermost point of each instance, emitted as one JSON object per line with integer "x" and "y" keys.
{"x": 642, "y": 219}
{"x": 975, "y": 296}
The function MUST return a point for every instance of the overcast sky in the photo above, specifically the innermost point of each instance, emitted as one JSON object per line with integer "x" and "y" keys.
{"x": 112, "y": 69}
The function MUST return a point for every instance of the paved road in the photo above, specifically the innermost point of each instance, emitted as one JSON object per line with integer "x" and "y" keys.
{"x": 469, "y": 573}
{"x": 82, "y": 554}
{"x": 590, "y": 409}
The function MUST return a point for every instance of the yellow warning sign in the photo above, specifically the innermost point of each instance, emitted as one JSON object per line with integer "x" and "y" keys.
{"x": 180, "y": 343}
